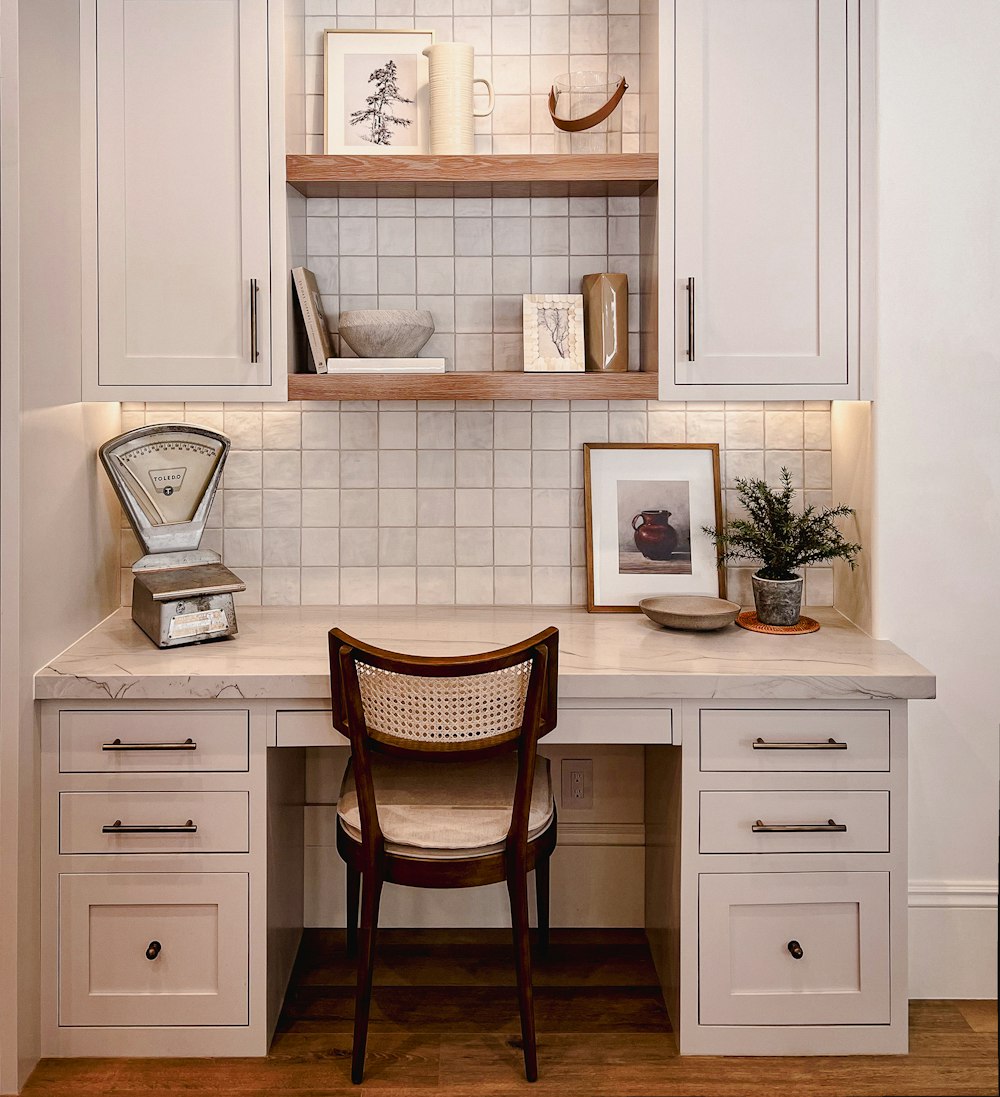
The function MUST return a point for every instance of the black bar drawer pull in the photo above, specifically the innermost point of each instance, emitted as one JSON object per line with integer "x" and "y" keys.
{"x": 690, "y": 303}
{"x": 118, "y": 827}
{"x": 830, "y": 744}
{"x": 829, "y": 827}
{"x": 117, "y": 744}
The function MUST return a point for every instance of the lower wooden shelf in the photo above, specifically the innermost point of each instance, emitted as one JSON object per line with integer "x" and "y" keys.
{"x": 473, "y": 386}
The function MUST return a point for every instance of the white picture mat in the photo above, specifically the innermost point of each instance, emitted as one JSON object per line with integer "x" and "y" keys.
{"x": 337, "y": 45}
{"x": 607, "y": 467}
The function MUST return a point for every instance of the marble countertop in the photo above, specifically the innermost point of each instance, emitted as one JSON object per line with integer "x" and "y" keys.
{"x": 281, "y": 652}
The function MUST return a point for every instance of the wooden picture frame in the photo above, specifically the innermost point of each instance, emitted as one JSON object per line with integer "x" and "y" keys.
{"x": 357, "y": 61}
{"x": 623, "y": 565}
{"x": 556, "y": 348}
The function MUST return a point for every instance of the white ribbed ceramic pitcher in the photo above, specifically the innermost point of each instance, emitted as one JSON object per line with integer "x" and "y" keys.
{"x": 451, "y": 98}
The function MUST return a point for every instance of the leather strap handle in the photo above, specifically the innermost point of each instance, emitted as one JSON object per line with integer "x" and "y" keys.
{"x": 575, "y": 125}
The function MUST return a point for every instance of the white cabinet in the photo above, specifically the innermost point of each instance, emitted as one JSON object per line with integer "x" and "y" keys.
{"x": 156, "y": 948}
{"x": 182, "y": 248}
{"x": 171, "y": 893}
{"x": 786, "y": 860}
{"x": 794, "y": 948}
{"x": 764, "y": 280}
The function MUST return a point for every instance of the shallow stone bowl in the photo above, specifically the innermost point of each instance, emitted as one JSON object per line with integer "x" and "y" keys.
{"x": 694, "y": 612}
{"x": 386, "y": 333}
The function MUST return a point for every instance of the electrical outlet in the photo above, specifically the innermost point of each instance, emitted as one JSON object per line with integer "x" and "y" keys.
{"x": 578, "y": 784}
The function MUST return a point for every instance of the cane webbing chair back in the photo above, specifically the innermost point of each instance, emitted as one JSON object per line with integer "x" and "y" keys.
{"x": 416, "y": 705}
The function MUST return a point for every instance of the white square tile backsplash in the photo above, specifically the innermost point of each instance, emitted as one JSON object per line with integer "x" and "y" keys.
{"x": 468, "y": 502}
{"x": 456, "y": 502}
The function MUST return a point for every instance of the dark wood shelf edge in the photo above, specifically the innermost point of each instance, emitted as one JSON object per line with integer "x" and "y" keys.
{"x": 473, "y": 386}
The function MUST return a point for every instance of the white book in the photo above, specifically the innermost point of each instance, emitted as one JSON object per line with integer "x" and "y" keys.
{"x": 313, "y": 317}
{"x": 385, "y": 365}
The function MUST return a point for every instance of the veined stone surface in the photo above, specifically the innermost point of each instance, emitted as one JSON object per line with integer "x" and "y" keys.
{"x": 281, "y": 652}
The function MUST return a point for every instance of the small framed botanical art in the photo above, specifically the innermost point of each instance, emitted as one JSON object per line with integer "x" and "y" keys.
{"x": 553, "y": 333}
{"x": 375, "y": 96}
{"x": 645, "y": 506}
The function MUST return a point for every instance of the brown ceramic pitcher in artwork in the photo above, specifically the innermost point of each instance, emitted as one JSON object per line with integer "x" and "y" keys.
{"x": 655, "y": 537}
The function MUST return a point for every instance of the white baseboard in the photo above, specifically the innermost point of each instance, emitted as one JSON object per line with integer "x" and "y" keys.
{"x": 953, "y": 939}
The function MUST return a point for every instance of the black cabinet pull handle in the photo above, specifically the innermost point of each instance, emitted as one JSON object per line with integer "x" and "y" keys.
{"x": 830, "y": 744}
{"x": 118, "y": 827}
{"x": 796, "y": 950}
{"x": 117, "y": 744}
{"x": 829, "y": 827}
{"x": 154, "y": 947}
{"x": 690, "y": 293}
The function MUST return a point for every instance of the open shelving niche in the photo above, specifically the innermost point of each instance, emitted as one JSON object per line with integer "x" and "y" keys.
{"x": 628, "y": 174}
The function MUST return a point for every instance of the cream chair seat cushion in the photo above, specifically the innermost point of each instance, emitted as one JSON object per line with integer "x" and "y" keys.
{"x": 446, "y": 809}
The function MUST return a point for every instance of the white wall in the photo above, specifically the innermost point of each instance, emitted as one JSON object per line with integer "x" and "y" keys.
{"x": 59, "y": 527}
{"x": 937, "y": 445}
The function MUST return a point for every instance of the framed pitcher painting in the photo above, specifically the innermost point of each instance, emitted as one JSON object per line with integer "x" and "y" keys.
{"x": 645, "y": 506}
{"x": 375, "y": 93}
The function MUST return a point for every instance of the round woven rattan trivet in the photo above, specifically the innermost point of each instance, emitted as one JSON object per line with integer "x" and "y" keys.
{"x": 748, "y": 620}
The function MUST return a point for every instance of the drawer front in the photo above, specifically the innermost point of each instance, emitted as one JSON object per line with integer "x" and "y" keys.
{"x": 728, "y": 821}
{"x": 576, "y": 725}
{"x": 612, "y": 724}
{"x": 110, "y": 970}
{"x": 794, "y": 740}
{"x": 163, "y": 822}
{"x": 154, "y": 741}
{"x": 751, "y": 924}
{"x": 313, "y": 728}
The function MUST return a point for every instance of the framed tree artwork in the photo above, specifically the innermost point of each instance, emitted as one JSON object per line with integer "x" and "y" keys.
{"x": 375, "y": 97}
{"x": 645, "y": 508}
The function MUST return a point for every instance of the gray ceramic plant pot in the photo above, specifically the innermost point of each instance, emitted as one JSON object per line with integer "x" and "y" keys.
{"x": 777, "y": 601}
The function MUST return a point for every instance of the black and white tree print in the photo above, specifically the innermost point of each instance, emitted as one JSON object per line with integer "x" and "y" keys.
{"x": 377, "y": 114}
{"x": 556, "y": 323}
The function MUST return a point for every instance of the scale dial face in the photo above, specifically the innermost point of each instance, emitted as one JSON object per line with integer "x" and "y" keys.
{"x": 168, "y": 474}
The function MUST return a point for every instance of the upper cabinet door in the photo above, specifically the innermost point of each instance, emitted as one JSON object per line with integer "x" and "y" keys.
{"x": 183, "y": 227}
{"x": 766, "y": 227}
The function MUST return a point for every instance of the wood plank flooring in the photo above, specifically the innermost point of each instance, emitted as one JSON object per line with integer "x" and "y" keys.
{"x": 444, "y": 1024}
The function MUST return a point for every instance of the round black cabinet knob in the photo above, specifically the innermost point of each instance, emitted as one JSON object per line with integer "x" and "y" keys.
{"x": 795, "y": 949}
{"x": 153, "y": 950}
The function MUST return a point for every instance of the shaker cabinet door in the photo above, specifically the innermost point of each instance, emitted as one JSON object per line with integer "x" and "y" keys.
{"x": 765, "y": 272}
{"x": 183, "y": 238}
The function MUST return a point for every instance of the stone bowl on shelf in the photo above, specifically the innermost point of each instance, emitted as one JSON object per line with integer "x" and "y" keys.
{"x": 694, "y": 612}
{"x": 386, "y": 333}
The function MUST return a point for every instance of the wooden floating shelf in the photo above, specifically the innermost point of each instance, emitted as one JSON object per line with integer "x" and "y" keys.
{"x": 459, "y": 176}
{"x": 473, "y": 386}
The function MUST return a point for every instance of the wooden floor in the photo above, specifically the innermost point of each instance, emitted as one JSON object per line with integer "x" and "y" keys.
{"x": 444, "y": 1021}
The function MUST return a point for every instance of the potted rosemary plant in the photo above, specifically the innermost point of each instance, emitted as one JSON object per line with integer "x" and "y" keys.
{"x": 783, "y": 541}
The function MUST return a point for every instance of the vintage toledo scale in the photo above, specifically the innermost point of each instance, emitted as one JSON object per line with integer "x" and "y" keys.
{"x": 165, "y": 476}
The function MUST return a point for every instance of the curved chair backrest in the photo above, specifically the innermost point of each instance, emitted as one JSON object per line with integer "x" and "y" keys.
{"x": 444, "y": 709}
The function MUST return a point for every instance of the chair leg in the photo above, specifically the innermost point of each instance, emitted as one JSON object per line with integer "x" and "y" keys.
{"x": 371, "y": 889}
{"x": 542, "y": 902}
{"x": 517, "y": 888}
{"x": 353, "y": 902}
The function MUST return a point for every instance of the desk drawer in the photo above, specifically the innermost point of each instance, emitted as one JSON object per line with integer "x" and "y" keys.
{"x": 728, "y": 820}
{"x": 108, "y": 924}
{"x": 752, "y": 924}
{"x": 154, "y": 740}
{"x": 221, "y": 822}
{"x": 794, "y": 740}
{"x": 576, "y": 725}
{"x": 307, "y": 728}
{"x": 609, "y": 723}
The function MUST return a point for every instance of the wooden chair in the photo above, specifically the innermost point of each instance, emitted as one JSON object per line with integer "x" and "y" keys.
{"x": 442, "y": 789}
